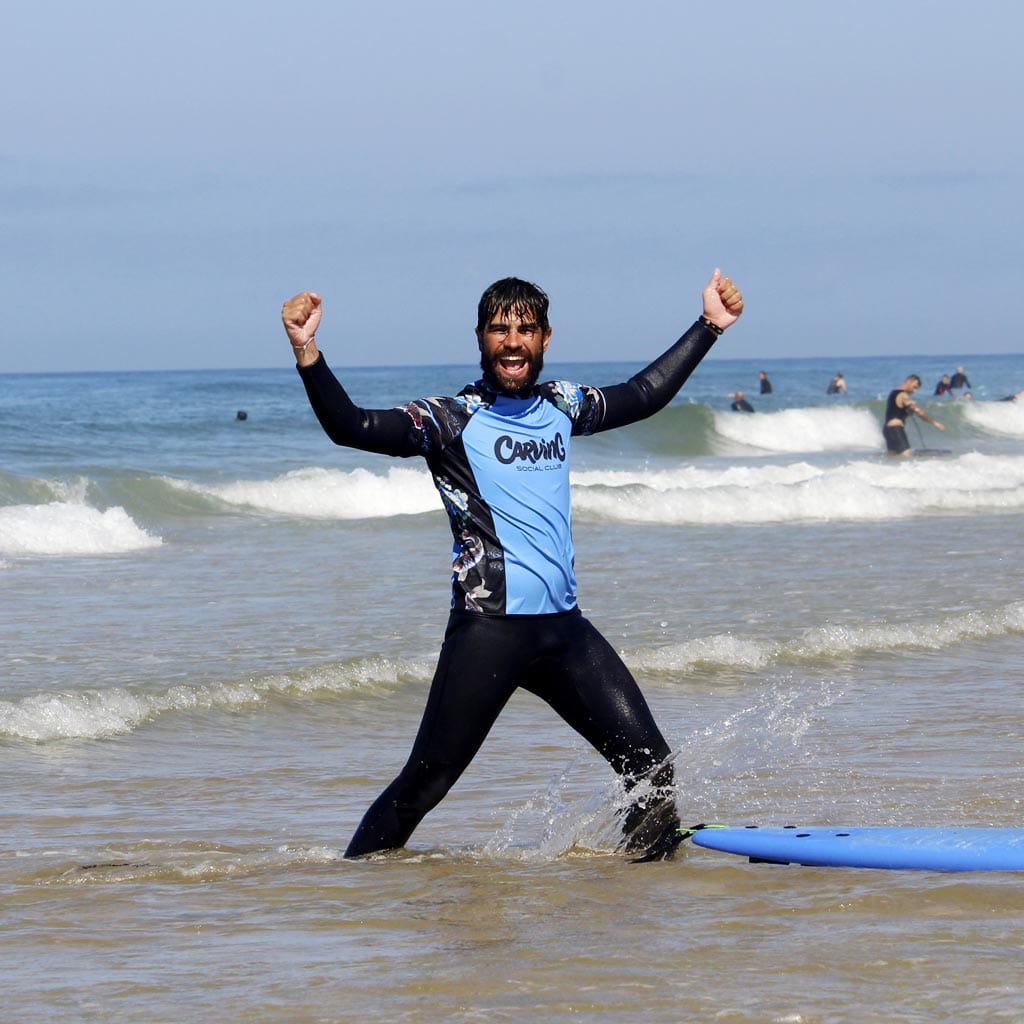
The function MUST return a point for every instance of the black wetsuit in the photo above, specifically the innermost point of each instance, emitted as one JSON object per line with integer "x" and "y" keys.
{"x": 896, "y": 440}
{"x": 741, "y": 405}
{"x": 501, "y": 465}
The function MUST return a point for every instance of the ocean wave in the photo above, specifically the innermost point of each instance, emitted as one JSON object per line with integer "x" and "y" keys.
{"x": 1004, "y": 418}
{"x": 799, "y": 492}
{"x": 695, "y": 429}
{"x": 16, "y": 490}
{"x": 185, "y": 862}
{"x": 328, "y": 493}
{"x": 70, "y": 528}
{"x": 802, "y": 430}
{"x": 741, "y": 493}
{"x": 830, "y": 643}
{"x": 101, "y": 714}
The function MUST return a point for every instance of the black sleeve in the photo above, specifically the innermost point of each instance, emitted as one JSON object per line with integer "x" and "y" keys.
{"x": 654, "y": 387}
{"x": 385, "y": 431}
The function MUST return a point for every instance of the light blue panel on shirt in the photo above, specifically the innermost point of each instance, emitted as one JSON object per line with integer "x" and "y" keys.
{"x": 519, "y": 451}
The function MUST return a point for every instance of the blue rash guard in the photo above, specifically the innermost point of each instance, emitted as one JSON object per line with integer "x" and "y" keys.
{"x": 501, "y": 466}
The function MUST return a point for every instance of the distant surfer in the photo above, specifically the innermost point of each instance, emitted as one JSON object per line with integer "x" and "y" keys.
{"x": 499, "y": 455}
{"x": 740, "y": 403}
{"x": 898, "y": 407}
{"x": 944, "y": 387}
{"x": 959, "y": 379}
{"x": 837, "y": 385}
{"x": 766, "y": 384}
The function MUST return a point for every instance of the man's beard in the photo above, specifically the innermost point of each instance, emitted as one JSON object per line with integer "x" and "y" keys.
{"x": 493, "y": 375}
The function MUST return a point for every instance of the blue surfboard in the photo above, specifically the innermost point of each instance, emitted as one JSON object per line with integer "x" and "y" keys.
{"x": 894, "y": 847}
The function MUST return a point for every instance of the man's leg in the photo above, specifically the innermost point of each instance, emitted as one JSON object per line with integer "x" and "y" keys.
{"x": 593, "y": 691}
{"x": 896, "y": 440}
{"x": 476, "y": 674}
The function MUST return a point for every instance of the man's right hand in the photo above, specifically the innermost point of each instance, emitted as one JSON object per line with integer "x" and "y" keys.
{"x": 301, "y": 317}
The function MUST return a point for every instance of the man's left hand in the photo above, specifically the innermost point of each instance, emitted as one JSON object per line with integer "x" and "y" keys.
{"x": 723, "y": 301}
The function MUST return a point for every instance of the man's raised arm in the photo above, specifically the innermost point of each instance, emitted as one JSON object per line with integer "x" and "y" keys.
{"x": 650, "y": 390}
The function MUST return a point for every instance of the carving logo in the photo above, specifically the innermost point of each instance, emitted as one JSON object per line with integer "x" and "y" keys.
{"x": 509, "y": 450}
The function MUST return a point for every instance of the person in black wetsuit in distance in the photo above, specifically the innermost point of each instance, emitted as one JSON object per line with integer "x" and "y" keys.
{"x": 766, "y": 384}
{"x": 944, "y": 387}
{"x": 499, "y": 455}
{"x": 836, "y": 385}
{"x": 740, "y": 404}
{"x": 959, "y": 380}
{"x": 898, "y": 407}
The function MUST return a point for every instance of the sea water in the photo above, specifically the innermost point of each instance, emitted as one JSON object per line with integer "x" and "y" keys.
{"x": 217, "y": 635}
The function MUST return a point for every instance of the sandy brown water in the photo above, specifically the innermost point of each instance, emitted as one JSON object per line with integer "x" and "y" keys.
{"x": 191, "y": 731}
{"x": 477, "y": 938}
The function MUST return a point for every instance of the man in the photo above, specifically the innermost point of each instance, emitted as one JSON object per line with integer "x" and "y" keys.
{"x": 898, "y": 407}
{"x": 836, "y": 385}
{"x": 766, "y": 384}
{"x": 740, "y": 403}
{"x": 499, "y": 455}
{"x": 959, "y": 379}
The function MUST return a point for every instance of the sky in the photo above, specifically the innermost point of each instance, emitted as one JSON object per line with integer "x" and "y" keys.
{"x": 170, "y": 173}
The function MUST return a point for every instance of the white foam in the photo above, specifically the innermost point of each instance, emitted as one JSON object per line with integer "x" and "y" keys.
{"x": 694, "y": 478}
{"x": 802, "y": 430}
{"x": 150, "y": 861}
{"x": 1005, "y": 418}
{"x": 831, "y": 642}
{"x": 330, "y": 493}
{"x": 861, "y": 490}
{"x": 872, "y": 489}
{"x": 98, "y": 714}
{"x": 70, "y": 528}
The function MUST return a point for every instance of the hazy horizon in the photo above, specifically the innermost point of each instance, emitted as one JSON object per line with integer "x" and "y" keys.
{"x": 173, "y": 174}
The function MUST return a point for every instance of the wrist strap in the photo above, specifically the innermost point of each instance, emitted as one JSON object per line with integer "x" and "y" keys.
{"x": 712, "y": 327}
{"x": 299, "y": 349}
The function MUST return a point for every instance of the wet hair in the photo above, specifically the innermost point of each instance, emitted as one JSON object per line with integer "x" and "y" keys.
{"x": 914, "y": 377}
{"x": 511, "y": 296}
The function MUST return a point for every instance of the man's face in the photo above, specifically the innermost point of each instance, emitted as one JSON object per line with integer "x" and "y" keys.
{"x": 512, "y": 351}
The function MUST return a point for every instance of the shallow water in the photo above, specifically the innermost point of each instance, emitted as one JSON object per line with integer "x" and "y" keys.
{"x": 215, "y": 644}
